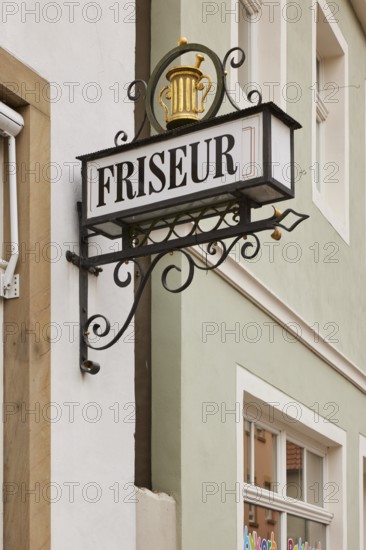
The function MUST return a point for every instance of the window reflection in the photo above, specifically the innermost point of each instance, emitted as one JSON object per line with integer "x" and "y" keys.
{"x": 265, "y": 458}
{"x": 308, "y": 531}
{"x": 264, "y": 444}
{"x": 296, "y": 458}
{"x": 247, "y": 449}
{"x": 257, "y": 519}
{"x": 314, "y": 483}
{"x": 294, "y": 468}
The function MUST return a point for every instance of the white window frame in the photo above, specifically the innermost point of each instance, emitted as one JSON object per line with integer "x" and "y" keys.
{"x": 307, "y": 447}
{"x": 362, "y": 496}
{"x": 329, "y": 439}
{"x": 364, "y": 164}
{"x": 2, "y": 159}
{"x": 322, "y": 113}
{"x": 268, "y": 77}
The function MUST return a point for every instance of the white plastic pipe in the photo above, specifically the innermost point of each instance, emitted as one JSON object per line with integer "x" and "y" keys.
{"x": 11, "y": 123}
{"x": 14, "y": 238}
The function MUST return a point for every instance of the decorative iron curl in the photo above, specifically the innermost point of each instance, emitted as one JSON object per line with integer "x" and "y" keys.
{"x": 213, "y": 248}
{"x": 128, "y": 280}
{"x": 134, "y": 86}
{"x": 135, "y": 91}
{"x": 188, "y": 280}
{"x": 252, "y": 93}
{"x": 121, "y": 283}
{"x": 220, "y": 247}
{"x": 121, "y": 135}
{"x": 247, "y": 246}
{"x": 96, "y": 326}
{"x": 235, "y": 65}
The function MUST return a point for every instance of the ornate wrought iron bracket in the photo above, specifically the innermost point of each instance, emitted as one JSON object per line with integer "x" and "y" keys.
{"x": 253, "y": 166}
{"x": 241, "y": 231}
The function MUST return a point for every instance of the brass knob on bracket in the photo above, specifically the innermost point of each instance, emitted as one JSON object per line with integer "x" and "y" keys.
{"x": 276, "y": 212}
{"x": 276, "y": 235}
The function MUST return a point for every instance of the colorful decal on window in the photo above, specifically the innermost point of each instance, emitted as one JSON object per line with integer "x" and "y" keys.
{"x": 253, "y": 542}
{"x": 301, "y": 546}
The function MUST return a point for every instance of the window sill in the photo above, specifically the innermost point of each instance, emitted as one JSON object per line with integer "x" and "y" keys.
{"x": 285, "y": 504}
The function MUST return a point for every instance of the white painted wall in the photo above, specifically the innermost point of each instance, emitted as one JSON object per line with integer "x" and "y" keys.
{"x": 83, "y": 58}
{"x": 155, "y": 521}
{"x": 1, "y": 323}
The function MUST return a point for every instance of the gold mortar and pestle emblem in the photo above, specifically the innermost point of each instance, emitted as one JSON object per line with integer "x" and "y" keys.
{"x": 182, "y": 92}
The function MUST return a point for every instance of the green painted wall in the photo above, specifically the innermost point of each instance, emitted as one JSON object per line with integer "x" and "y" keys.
{"x": 325, "y": 286}
{"x": 314, "y": 258}
{"x": 196, "y": 372}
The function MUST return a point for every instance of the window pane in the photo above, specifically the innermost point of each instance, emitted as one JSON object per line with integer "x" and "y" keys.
{"x": 294, "y": 467}
{"x": 314, "y": 473}
{"x": 265, "y": 459}
{"x": 265, "y": 446}
{"x": 261, "y": 522}
{"x": 308, "y": 531}
{"x": 247, "y": 447}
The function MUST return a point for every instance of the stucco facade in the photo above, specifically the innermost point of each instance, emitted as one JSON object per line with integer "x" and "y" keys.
{"x": 285, "y": 327}
{"x": 69, "y": 467}
{"x": 258, "y": 374}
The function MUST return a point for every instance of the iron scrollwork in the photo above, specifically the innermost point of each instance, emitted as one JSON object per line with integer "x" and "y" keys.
{"x": 217, "y": 250}
{"x": 235, "y": 65}
{"x": 134, "y": 93}
{"x": 228, "y": 216}
{"x": 140, "y": 90}
{"x": 100, "y": 326}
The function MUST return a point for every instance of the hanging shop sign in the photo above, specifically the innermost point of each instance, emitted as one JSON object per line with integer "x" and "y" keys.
{"x": 245, "y": 155}
{"x": 198, "y": 167}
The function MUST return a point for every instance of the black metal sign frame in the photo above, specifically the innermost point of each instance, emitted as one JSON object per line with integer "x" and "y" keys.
{"x": 238, "y": 190}
{"x": 243, "y": 230}
{"x": 230, "y": 218}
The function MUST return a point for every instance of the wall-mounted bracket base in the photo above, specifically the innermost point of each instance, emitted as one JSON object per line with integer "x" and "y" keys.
{"x": 13, "y": 291}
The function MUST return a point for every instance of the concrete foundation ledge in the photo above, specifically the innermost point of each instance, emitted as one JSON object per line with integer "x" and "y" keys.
{"x": 155, "y": 521}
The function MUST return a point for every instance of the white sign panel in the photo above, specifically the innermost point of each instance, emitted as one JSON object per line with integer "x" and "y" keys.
{"x": 200, "y": 168}
{"x": 187, "y": 165}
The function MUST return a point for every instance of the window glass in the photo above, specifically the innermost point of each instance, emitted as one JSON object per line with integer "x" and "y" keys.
{"x": 247, "y": 447}
{"x": 286, "y": 470}
{"x": 263, "y": 472}
{"x": 294, "y": 469}
{"x": 304, "y": 482}
{"x": 261, "y": 523}
{"x": 308, "y": 531}
{"x": 314, "y": 477}
{"x": 265, "y": 458}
